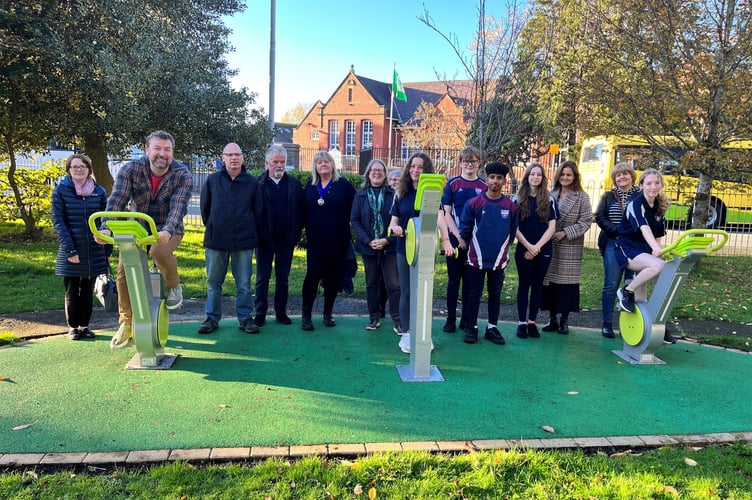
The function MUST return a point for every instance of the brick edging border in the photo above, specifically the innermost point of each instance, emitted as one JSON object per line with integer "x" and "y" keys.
{"x": 257, "y": 453}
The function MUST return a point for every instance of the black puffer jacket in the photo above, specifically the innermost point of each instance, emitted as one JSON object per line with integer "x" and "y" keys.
{"x": 70, "y": 218}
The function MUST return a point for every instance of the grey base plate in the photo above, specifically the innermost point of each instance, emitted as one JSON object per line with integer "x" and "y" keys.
{"x": 164, "y": 363}
{"x": 407, "y": 374}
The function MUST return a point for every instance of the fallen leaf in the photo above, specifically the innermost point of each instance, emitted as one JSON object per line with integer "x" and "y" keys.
{"x": 372, "y": 493}
{"x": 671, "y": 490}
{"x": 224, "y": 406}
{"x": 22, "y": 427}
{"x": 358, "y": 490}
{"x": 689, "y": 462}
{"x": 621, "y": 454}
{"x": 548, "y": 428}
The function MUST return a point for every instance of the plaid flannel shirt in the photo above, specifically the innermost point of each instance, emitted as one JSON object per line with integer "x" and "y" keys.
{"x": 167, "y": 208}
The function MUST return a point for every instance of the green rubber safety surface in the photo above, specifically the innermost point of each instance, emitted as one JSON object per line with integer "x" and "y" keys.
{"x": 632, "y": 326}
{"x": 340, "y": 385}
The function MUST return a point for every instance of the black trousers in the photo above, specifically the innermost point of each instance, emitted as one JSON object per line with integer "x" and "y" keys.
{"x": 79, "y": 295}
{"x": 281, "y": 256}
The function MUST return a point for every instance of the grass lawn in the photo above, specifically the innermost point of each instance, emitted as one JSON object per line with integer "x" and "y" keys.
{"x": 716, "y": 290}
{"x": 665, "y": 473}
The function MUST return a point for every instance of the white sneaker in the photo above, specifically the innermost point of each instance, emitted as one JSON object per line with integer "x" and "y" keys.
{"x": 174, "y": 297}
{"x": 123, "y": 337}
{"x": 404, "y": 343}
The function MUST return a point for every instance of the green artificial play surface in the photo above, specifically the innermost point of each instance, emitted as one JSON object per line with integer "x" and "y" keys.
{"x": 340, "y": 385}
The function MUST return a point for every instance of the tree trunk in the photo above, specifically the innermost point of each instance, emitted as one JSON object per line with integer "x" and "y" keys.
{"x": 702, "y": 201}
{"x": 24, "y": 210}
{"x": 94, "y": 147}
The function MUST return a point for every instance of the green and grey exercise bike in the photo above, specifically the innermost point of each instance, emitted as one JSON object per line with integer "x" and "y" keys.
{"x": 151, "y": 319}
{"x": 643, "y": 329}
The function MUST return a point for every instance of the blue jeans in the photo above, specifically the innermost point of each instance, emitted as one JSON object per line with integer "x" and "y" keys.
{"x": 612, "y": 276}
{"x": 216, "y": 270}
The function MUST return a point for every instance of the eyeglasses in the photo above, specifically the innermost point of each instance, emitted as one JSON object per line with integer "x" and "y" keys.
{"x": 469, "y": 162}
{"x": 79, "y": 167}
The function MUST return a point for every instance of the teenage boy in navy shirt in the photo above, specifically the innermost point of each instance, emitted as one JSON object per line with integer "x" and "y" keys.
{"x": 488, "y": 224}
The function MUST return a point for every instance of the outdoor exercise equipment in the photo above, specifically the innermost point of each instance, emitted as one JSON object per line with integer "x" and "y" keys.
{"x": 420, "y": 249}
{"x": 643, "y": 330}
{"x": 151, "y": 319}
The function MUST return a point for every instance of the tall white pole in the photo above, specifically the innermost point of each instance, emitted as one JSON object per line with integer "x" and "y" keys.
{"x": 272, "y": 51}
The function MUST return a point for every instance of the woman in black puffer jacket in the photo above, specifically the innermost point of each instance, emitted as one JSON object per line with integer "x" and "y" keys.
{"x": 79, "y": 259}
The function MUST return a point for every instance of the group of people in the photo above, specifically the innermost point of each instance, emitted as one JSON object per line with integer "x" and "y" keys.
{"x": 477, "y": 223}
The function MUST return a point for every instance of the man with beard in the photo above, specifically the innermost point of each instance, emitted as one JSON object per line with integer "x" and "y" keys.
{"x": 160, "y": 187}
{"x": 280, "y": 225}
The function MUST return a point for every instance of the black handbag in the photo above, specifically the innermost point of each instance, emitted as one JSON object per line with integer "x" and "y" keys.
{"x": 105, "y": 288}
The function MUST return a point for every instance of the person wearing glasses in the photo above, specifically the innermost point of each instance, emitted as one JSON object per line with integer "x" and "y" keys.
{"x": 369, "y": 220}
{"x": 458, "y": 191}
{"x": 231, "y": 206}
{"x": 394, "y": 177}
{"x": 79, "y": 258}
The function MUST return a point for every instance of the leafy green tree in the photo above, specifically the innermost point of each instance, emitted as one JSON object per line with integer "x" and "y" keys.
{"x": 674, "y": 72}
{"x": 34, "y": 193}
{"x": 102, "y": 74}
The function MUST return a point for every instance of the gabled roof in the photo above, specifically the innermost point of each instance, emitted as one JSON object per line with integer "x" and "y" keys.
{"x": 457, "y": 89}
{"x": 382, "y": 94}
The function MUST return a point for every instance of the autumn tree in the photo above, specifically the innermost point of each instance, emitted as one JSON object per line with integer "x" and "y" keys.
{"x": 501, "y": 105}
{"x": 675, "y": 72}
{"x": 295, "y": 115}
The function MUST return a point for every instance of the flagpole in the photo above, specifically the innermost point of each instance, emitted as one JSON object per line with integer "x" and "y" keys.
{"x": 391, "y": 114}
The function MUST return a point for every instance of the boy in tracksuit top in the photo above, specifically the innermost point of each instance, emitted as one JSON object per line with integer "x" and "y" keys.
{"x": 489, "y": 224}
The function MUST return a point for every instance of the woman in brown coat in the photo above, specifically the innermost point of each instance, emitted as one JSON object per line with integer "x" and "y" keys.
{"x": 561, "y": 287}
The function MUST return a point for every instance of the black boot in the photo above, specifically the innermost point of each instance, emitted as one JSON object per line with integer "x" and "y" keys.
{"x": 563, "y": 326}
{"x": 329, "y": 320}
{"x": 552, "y": 325}
{"x": 306, "y": 323}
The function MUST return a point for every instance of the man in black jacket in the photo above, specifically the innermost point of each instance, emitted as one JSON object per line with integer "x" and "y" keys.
{"x": 231, "y": 206}
{"x": 281, "y": 226}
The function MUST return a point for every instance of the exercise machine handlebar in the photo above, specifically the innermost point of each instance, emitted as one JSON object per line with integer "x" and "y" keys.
{"x": 695, "y": 239}
{"x": 124, "y": 223}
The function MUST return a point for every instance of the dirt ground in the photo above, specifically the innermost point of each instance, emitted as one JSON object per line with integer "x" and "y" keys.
{"x": 47, "y": 323}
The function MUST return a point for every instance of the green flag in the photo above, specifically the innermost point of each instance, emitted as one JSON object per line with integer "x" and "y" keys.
{"x": 397, "y": 89}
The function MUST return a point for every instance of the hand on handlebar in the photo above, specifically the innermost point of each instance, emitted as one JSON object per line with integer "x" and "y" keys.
{"x": 164, "y": 237}
{"x": 105, "y": 232}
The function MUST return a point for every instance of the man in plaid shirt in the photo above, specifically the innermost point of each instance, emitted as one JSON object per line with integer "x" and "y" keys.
{"x": 160, "y": 187}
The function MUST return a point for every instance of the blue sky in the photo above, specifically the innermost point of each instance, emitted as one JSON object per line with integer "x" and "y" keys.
{"x": 316, "y": 42}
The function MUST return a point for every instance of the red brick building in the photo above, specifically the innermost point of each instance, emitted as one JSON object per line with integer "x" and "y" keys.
{"x": 356, "y": 121}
